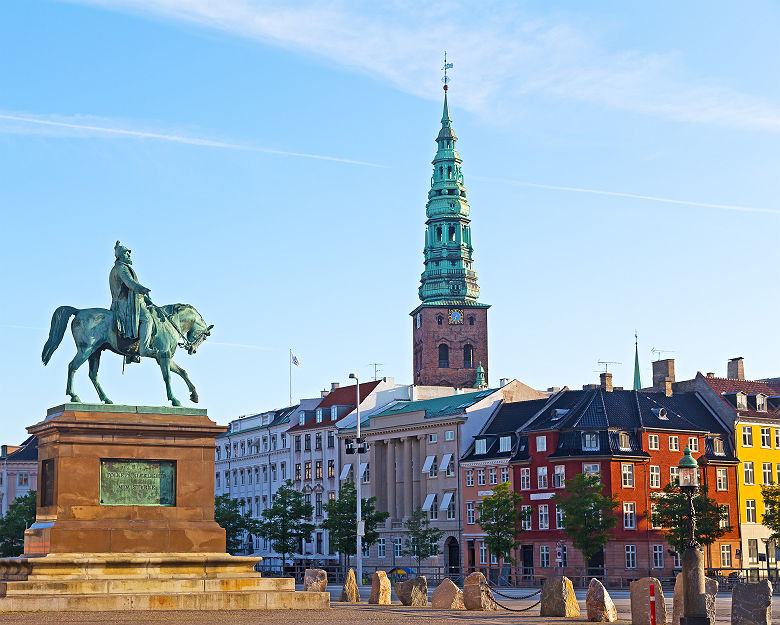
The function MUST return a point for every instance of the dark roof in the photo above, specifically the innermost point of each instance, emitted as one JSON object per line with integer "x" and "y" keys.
{"x": 27, "y": 452}
{"x": 341, "y": 396}
{"x": 512, "y": 416}
{"x": 728, "y": 387}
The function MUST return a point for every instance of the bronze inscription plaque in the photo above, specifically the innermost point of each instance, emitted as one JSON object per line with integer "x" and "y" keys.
{"x": 137, "y": 482}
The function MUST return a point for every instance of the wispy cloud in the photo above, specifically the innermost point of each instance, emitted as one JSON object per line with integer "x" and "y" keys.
{"x": 502, "y": 54}
{"x": 633, "y": 196}
{"x": 17, "y": 123}
{"x": 242, "y": 346}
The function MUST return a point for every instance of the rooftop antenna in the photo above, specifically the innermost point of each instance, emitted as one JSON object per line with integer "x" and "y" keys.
{"x": 657, "y": 352}
{"x": 446, "y": 79}
{"x": 606, "y": 363}
{"x": 376, "y": 366}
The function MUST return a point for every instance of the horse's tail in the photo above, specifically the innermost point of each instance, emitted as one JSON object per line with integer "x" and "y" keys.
{"x": 59, "y": 321}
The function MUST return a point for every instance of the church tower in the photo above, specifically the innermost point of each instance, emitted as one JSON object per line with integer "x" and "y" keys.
{"x": 449, "y": 327}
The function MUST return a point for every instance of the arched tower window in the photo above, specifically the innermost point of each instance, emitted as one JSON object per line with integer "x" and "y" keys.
{"x": 441, "y": 175}
{"x": 452, "y": 233}
{"x": 468, "y": 356}
{"x": 449, "y": 171}
{"x": 438, "y": 236}
{"x": 444, "y": 356}
{"x": 439, "y": 320}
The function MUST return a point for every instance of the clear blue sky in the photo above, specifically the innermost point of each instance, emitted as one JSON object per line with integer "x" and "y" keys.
{"x": 170, "y": 124}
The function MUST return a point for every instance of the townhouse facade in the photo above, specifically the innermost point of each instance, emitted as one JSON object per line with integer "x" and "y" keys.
{"x": 413, "y": 462}
{"x": 633, "y": 440}
{"x": 18, "y": 471}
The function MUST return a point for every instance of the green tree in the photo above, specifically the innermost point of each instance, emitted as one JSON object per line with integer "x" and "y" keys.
{"x": 287, "y": 521}
{"x": 771, "y": 518}
{"x": 342, "y": 520}
{"x": 20, "y": 516}
{"x": 670, "y": 515}
{"x": 502, "y": 519}
{"x": 422, "y": 540}
{"x": 588, "y": 513}
{"x": 228, "y": 515}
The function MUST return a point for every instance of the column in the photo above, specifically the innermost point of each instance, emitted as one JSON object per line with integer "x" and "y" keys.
{"x": 390, "y": 477}
{"x": 408, "y": 477}
{"x": 421, "y": 488}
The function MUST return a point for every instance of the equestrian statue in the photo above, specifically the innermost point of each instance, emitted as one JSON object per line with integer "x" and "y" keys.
{"x": 133, "y": 328}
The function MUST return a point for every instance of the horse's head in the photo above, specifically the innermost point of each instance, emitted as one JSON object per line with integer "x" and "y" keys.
{"x": 193, "y": 327}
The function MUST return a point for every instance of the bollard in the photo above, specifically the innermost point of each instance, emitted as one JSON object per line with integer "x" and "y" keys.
{"x": 652, "y": 604}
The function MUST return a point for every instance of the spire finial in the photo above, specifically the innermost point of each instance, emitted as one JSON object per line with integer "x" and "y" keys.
{"x": 446, "y": 79}
{"x": 637, "y": 376}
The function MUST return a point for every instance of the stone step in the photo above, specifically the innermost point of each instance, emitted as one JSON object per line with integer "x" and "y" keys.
{"x": 144, "y": 586}
{"x": 254, "y": 600}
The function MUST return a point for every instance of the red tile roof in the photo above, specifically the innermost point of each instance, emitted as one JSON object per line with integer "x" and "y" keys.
{"x": 724, "y": 386}
{"x": 342, "y": 396}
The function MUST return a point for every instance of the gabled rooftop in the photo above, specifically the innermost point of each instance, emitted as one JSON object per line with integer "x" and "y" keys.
{"x": 727, "y": 388}
{"x": 438, "y": 407}
{"x": 343, "y": 396}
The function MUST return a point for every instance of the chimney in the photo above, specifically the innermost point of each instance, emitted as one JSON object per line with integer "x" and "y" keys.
{"x": 668, "y": 387}
{"x": 324, "y": 393}
{"x": 503, "y": 382}
{"x": 663, "y": 371}
{"x": 333, "y": 387}
{"x": 710, "y": 374}
{"x": 735, "y": 370}
{"x": 606, "y": 381}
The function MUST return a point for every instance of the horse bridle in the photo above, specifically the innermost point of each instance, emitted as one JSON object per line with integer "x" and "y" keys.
{"x": 190, "y": 345}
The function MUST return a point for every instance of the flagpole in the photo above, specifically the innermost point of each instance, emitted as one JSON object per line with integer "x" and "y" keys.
{"x": 291, "y": 376}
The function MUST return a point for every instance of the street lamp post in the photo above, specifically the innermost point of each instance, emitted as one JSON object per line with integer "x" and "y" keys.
{"x": 360, "y": 450}
{"x": 695, "y": 599}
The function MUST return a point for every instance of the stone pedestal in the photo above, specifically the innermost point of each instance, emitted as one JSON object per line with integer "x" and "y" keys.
{"x": 125, "y": 520}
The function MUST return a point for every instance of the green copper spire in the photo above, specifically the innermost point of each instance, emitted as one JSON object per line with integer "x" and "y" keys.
{"x": 637, "y": 376}
{"x": 480, "y": 381}
{"x": 448, "y": 276}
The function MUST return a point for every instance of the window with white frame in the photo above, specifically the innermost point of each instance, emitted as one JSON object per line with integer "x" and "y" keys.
{"x": 741, "y": 401}
{"x": 492, "y": 476}
{"x": 560, "y": 518}
{"x": 470, "y": 512}
{"x": 655, "y": 476}
{"x": 653, "y": 512}
{"x": 590, "y": 441}
{"x": 451, "y": 509}
{"x": 722, "y": 478}
{"x": 480, "y": 446}
{"x": 449, "y": 435}
{"x": 544, "y": 556}
{"x": 482, "y": 553}
{"x": 653, "y": 441}
{"x": 674, "y": 475}
{"x": 493, "y": 558}
{"x": 504, "y": 474}
{"x": 630, "y": 556}
{"x": 433, "y": 514}
{"x": 559, "y": 477}
{"x": 334, "y": 413}
{"x": 674, "y": 443}
{"x": 658, "y": 556}
{"x": 505, "y": 443}
{"x": 761, "y": 403}
{"x": 766, "y": 473}
{"x": 544, "y": 517}
{"x": 725, "y": 556}
{"x": 318, "y": 418}
{"x": 541, "y": 443}
{"x": 541, "y": 477}
{"x": 750, "y": 510}
{"x": 747, "y": 436}
{"x": 592, "y": 468}
{"x": 624, "y": 442}
{"x": 380, "y": 548}
{"x": 629, "y": 515}
{"x": 525, "y": 478}
{"x": 451, "y": 467}
{"x": 480, "y": 477}
{"x": 725, "y": 519}
{"x": 766, "y": 438}
{"x": 397, "y": 547}
{"x": 527, "y": 521}
{"x": 748, "y": 472}
{"x": 693, "y": 443}
{"x": 470, "y": 477}
{"x": 777, "y": 467}
{"x": 432, "y": 437}
{"x": 717, "y": 446}
{"x": 777, "y": 439}
{"x": 627, "y": 473}
{"x": 434, "y": 470}
{"x": 301, "y": 418}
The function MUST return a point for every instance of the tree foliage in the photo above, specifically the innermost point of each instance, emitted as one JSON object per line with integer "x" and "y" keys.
{"x": 421, "y": 539}
{"x": 20, "y": 516}
{"x": 287, "y": 521}
{"x": 589, "y": 514}
{"x": 771, "y": 518}
{"x": 501, "y": 519}
{"x": 342, "y": 520}
{"x": 671, "y": 517}
{"x": 228, "y": 515}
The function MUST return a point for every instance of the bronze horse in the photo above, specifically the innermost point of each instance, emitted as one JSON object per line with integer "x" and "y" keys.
{"x": 94, "y": 330}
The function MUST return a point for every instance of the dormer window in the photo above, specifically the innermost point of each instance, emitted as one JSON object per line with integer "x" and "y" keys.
{"x": 623, "y": 441}
{"x": 761, "y": 403}
{"x": 334, "y": 413}
{"x": 505, "y": 443}
{"x": 741, "y": 401}
{"x": 590, "y": 441}
{"x": 301, "y": 419}
{"x": 717, "y": 445}
{"x": 480, "y": 446}
{"x": 319, "y": 415}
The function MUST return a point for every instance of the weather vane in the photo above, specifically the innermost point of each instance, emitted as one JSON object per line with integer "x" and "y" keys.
{"x": 446, "y": 79}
